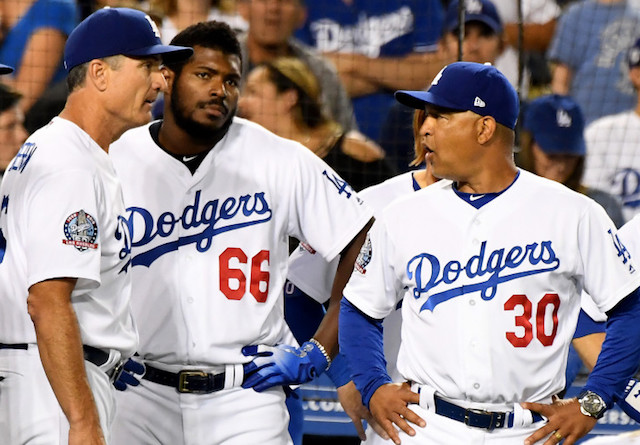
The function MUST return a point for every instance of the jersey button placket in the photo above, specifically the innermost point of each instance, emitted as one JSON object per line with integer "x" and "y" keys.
{"x": 474, "y": 312}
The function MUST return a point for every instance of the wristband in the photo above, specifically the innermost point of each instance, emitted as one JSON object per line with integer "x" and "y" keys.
{"x": 324, "y": 352}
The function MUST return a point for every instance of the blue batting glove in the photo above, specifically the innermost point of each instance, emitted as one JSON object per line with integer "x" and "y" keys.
{"x": 282, "y": 365}
{"x": 629, "y": 401}
{"x": 126, "y": 375}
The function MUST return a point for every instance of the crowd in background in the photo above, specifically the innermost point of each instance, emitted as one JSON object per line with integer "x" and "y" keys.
{"x": 323, "y": 73}
{"x": 356, "y": 53}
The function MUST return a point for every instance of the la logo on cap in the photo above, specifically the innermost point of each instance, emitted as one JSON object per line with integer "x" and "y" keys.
{"x": 477, "y": 102}
{"x": 438, "y": 76}
{"x": 634, "y": 56}
{"x": 563, "y": 119}
{"x": 474, "y": 7}
{"x": 154, "y": 27}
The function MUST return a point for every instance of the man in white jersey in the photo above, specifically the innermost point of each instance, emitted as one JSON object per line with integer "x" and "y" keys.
{"x": 490, "y": 304}
{"x": 613, "y": 158}
{"x": 314, "y": 277}
{"x": 65, "y": 321}
{"x": 212, "y": 200}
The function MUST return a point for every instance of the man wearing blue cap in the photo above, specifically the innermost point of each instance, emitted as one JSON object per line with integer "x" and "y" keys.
{"x": 65, "y": 323}
{"x": 490, "y": 304}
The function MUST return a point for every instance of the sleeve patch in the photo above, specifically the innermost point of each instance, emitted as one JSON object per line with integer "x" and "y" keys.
{"x": 364, "y": 257}
{"x": 81, "y": 231}
{"x": 307, "y": 247}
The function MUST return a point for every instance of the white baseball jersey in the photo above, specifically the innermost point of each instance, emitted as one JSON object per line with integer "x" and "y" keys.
{"x": 209, "y": 250}
{"x": 314, "y": 276}
{"x": 630, "y": 236}
{"x": 491, "y": 295}
{"x": 310, "y": 272}
{"x": 62, "y": 216}
{"x": 613, "y": 159}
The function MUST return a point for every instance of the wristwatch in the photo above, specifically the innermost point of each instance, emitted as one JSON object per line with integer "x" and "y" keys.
{"x": 591, "y": 404}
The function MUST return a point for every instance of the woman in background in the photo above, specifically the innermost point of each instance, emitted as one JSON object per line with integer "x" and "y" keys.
{"x": 283, "y": 96}
{"x": 552, "y": 146}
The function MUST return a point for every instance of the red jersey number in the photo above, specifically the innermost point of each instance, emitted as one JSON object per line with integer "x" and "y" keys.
{"x": 524, "y": 320}
{"x": 233, "y": 281}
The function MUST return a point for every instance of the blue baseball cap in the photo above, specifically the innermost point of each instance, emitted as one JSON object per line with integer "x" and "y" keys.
{"x": 634, "y": 55}
{"x": 468, "y": 86}
{"x": 483, "y": 11}
{"x": 5, "y": 69}
{"x": 113, "y": 31}
{"x": 556, "y": 124}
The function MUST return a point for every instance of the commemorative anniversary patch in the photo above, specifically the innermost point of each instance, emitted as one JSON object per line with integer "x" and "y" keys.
{"x": 81, "y": 231}
{"x": 364, "y": 257}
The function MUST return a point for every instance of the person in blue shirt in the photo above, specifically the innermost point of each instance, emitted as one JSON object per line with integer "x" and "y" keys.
{"x": 34, "y": 43}
{"x": 377, "y": 47}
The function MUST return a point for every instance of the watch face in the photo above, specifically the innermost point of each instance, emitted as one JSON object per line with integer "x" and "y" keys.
{"x": 592, "y": 405}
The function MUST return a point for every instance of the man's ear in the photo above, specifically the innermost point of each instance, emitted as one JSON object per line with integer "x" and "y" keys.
{"x": 485, "y": 129}
{"x": 98, "y": 73}
{"x": 169, "y": 77}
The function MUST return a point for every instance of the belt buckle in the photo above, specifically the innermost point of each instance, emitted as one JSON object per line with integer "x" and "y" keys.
{"x": 114, "y": 373}
{"x": 183, "y": 383}
{"x": 492, "y": 415}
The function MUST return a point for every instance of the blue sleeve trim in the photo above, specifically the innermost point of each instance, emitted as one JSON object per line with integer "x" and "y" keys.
{"x": 339, "y": 371}
{"x": 361, "y": 342}
{"x": 620, "y": 354}
{"x": 587, "y": 325}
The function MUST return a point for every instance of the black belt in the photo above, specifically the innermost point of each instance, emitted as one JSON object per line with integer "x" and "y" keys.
{"x": 14, "y": 346}
{"x": 187, "y": 381}
{"x": 94, "y": 355}
{"x": 477, "y": 418}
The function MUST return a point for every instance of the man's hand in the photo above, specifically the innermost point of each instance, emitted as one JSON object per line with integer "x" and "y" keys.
{"x": 126, "y": 376}
{"x": 566, "y": 422}
{"x": 351, "y": 401}
{"x": 389, "y": 406}
{"x": 282, "y": 365}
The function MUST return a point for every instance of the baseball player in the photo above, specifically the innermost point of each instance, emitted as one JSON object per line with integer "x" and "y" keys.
{"x": 212, "y": 200}
{"x": 65, "y": 321}
{"x": 311, "y": 276}
{"x": 490, "y": 304}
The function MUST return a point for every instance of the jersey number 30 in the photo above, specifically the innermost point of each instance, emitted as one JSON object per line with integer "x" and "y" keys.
{"x": 549, "y": 301}
{"x": 233, "y": 281}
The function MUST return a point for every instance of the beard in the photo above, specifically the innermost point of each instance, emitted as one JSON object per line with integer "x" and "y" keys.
{"x": 197, "y": 130}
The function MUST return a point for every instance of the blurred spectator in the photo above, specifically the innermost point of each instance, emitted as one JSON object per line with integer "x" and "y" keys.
{"x": 613, "y": 148}
{"x": 378, "y": 47}
{"x": 270, "y": 35}
{"x": 588, "y": 55}
{"x": 283, "y": 96}
{"x": 34, "y": 42}
{"x": 483, "y": 42}
{"x": 538, "y": 24}
{"x": 553, "y": 146}
{"x": 176, "y": 15}
{"x": 12, "y": 132}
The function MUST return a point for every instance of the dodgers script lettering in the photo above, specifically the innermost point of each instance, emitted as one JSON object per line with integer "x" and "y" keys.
{"x": 427, "y": 273}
